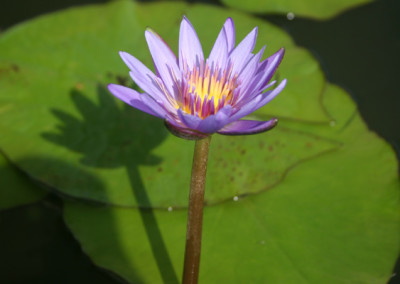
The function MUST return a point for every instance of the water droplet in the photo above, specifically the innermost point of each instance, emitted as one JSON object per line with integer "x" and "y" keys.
{"x": 332, "y": 123}
{"x": 170, "y": 209}
{"x": 235, "y": 198}
{"x": 290, "y": 16}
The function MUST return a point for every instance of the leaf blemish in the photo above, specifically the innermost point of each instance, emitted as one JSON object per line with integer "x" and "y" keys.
{"x": 12, "y": 68}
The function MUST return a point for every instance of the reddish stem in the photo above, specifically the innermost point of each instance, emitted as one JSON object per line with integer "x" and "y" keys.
{"x": 195, "y": 212}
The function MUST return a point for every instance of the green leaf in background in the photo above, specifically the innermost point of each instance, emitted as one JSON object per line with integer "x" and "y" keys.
{"x": 55, "y": 106}
{"x": 316, "y": 198}
{"x": 320, "y": 10}
{"x": 334, "y": 219}
{"x": 16, "y": 189}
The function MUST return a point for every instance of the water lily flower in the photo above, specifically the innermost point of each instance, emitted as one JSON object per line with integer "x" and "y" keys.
{"x": 197, "y": 97}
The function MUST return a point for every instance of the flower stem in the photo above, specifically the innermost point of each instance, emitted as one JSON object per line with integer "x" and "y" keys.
{"x": 195, "y": 212}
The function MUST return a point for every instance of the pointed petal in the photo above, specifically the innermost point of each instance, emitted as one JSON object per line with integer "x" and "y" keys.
{"x": 270, "y": 84}
{"x": 247, "y": 127}
{"x": 247, "y": 74}
{"x": 269, "y": 66}
{"x": 268, "y": 96}
{"x": 133, "y": 98}
{"x": 257, "y": 102}
{"x": 135, "y": 65}
{"x": 259, "y": 82}
{"x": 229, "y": 28}
{"x": 219, "y": 53}
{"x": 143, "y": 77}
{"x": 222, "y": 46}
{"x": 242, "y": 53}
{"x": 154, "y": 105}
{"x": 153, "y": 91}
{"x": 164, "y": 59}
{"x": 190, "y": 51}
{"x": 246, "y": 109}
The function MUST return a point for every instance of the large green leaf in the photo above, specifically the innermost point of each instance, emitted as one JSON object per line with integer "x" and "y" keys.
{"x": 304, "y": 8}
{"x": 55, "y": 105}
{"x": 317, "y": 197}
{"x": 15, "y": 188}
{"x": 333, "y": 219}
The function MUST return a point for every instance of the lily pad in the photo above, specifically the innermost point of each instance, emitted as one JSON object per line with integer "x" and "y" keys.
{"x": 15, "y": 188}
{"x": 316, "y": 198}
{"x": 333, "y": 219}
{"x": 304, "y": 8}
{"x": 54, "y": 105}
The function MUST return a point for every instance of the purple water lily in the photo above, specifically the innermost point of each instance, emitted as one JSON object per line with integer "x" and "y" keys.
{"x": 197, "y": 97}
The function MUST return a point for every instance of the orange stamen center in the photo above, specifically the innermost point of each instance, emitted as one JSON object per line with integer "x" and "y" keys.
{"x": 206, "y": 90}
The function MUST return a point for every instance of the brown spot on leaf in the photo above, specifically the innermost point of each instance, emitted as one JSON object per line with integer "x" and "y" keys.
{"x": 12, "y": 68}
{"x": 309, "y": 145}
{"x": 15, "y": 68}
{"x": 122, "y": 80}
{"x": 79, "y": 86}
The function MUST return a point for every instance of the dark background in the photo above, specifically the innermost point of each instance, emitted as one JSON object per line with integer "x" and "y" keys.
{"x": 358, "y": 50}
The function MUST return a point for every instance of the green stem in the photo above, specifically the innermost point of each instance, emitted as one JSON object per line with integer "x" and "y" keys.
{"x": 195, "y": 212}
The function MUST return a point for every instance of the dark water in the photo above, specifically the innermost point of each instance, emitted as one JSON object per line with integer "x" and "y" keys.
{"x": 37, "y": 248}
{"x": 358, "y": 50}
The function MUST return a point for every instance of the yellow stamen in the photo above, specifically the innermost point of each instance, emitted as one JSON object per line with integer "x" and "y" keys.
{"x": 207, "y": 87}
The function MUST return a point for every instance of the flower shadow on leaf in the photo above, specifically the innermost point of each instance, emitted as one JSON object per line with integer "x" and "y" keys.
{"x": 109, "y": 136}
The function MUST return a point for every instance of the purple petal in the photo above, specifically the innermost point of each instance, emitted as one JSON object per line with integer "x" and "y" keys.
{"x": 133, "y": 98}
{"x": 268, "y": 96}
{"x": 229, "y": 28}
{"x": 269, "y": 66}
{"x": 247, "y": 74}
{"x": 154, "y": 105}
{"x": 164, "y": 60}
{"x": 183, "y": 132}
{"x": 210, "y": 124}
{"x": 191, "y": 121}
{"x": 242, "y": 53}
{"x": 144, "y": 77}
{"x": 219, "y": 53}
{"x": 245, "y": 109}
{"x": 224, "y": 44}
{"x": 246, "y": 127}
{"x": 156, "y": 93}
{"x": 190, "y": 51}
{"x": 269, "y": 85}
{"x": 215, "y": 122}
{"x": 259, "y": 82}
{"x": 257, "y": 102}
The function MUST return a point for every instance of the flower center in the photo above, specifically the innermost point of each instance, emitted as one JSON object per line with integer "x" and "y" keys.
{"x": 205, "y": 90}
